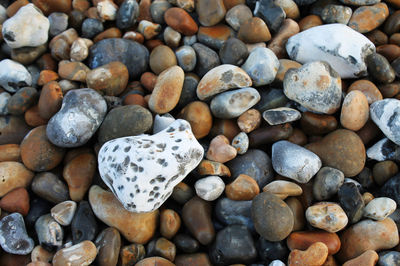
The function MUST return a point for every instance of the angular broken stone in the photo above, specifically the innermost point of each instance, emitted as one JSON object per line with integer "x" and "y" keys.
{"x": 143, "y": 170}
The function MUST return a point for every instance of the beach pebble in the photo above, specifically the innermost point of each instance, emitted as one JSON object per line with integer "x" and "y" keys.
{"x": 108, "y": 244}
{"x": 127, "y": 14}
{"x": 327, "y": 183}
{"x": 380, "y": 69}
{"x": 348, "y": 61}
{"x": 254, "y": 30}
{"x": 220, "y": 150}
{"x": 355, "y": 111}
{"x": 49, "y": 232}
{"x": 13, "y": 236}
{"x": 321, "y": 87}
{"x": 327, "y": 216}
{"x": 271, "y": 13}
{"x": 16, "y": 200}
{"x": 301, "y": 167}
{"x": 283, "y": 189}
{"x": 249, "y": 120}
{"x": 49, "y": 187}
{"x": 390, "y": 258}
{"x": 241, "y": 143}
{"x": 316, "y": 254}
{"x": 262, "y": 66}
{"x": 199, "y": 116}
{"x": 186, "y": 57}
{"x": 207, "y": 59}
{"x": 385, "y": 114}
{"x": 13, "y": 75}
{"x": 238, "y": 15}
{"x": 304, "y": 239}
{"x": 379, "y": 208}
{"x": 28, "y": 27}
{"x": 209, "y": 188}
{"x": 181, "y": 21}
{"x": 383, "y": 150}
{"x": 281, "y": 115}
{"x": 84, "y": 224}
{"x": 351, "y": 200}
{"x": 163, "y": 158}
{"x": 336, "y": 14}
{"x": 83, "y": 253}
{"x": 110, "y": 79}
{"x": 64, "y": 212}
{"x": 368, "y": 18}
{"x": 210, "y": 12}
{"x": 242, "y": 188}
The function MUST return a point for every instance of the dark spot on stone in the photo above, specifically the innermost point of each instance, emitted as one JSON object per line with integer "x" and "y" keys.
{"x": 156, "y": 195}
{"x": 120, "y": 187}
{"x": 9, "y": 36}
{"x": 178, "y": 140}
{"x": 156, "y": 188}
{"x": 150, "y": 200}
{"x": 151, "y": 193}
{"x": 140, "y": 159}
{"x": 152, "y": 181}
{"x": 109, "y": 158}
{"x": 134, "y": 178}
{"x": 115, "y": 148}
{"x": 126, "y": 161}
{"x": 128, "y": 179}
{"x": 140, "y": 169}
{"x": 392, "y": 119}
{"x": 137, "y": 190}
{"x": 161, "y": 161}
{"x": 227, "y": 76}
{"x": 161, "y": 145}
{"x": 131, "y": 195}
{"x": 106, "y": 149}
{"x": 182, "y": 128}
{"x": 134, "y": 167}
{"x": 145, "y": 146}
{"x": 127, "y": 149}
{"x": 171, "y": 129}
{"x": 174, "y": 148}
{"x": 352, "y": 60}
{"x": 160, "y": 178}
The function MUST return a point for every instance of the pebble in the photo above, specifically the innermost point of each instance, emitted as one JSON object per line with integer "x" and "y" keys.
{"x": 230, "y": 212}
{"x": 254, "y": 30}
{"x": 132, "y": 54}
{"x": 13, "y": 75}
{"x": 249, "y": 120}
{"x": 13, "y": 236}
{"x": 196, "y": 259}
{"x": 348, "y": 61}
{"x": 316, "y": 254}
{"x": 38, "y": 208}
{"x": 130, "y": 116}
{"x": 181, "y": 21}
{"x": 127, "y": 14}
{"x": 40, "y": 254}
{"x": 207, "y": 167}
{"x": 341, "y": 149}
{"x": 383, "y": 113}
{"x": 209, "y": 188}
{"x": 14, "y": 175}
{"x": 322, "y": 87}
{"x": 199, "y": 116}
{"x": 367, "y": 235}
{"x": 238, "y": 15}
{"x": 83, "y": 225}
{"x": 210, "y": 12}
{"x": 196, "y": 215}
{"x": 186, "y": 57}
{"x": 111, "y": 79}
{"x": 13, "y": 129}
{"x": 271, "y": 13}
{"x": 336, "y": 14}
{"x": 281, "y": 115}
{"x": 390, "y": 258}
{"x": 355, "y": 111}
{"x": 88, "y": 109}
{"x": 266, "y": 210}
{"x": 135, "y": 227}
{"x": 327, "y": 216}
{"x": 380, "y": 69}
{"x": 58, "y": 23}
{"x": 154, "y": 261}
{"x": 262, "y": 66}
{"x": 233, "y": 244}
{"x": 83, "y": 253}
{"x": 214, "y": 36}
{"x": 91, "y": 27}
{"x": 298, "y": 213}
{"x": 162, "y": 122}
{"x": 35, "y": 28}
{"x": 50, "y": 100}
{"x": 301, "y": 168}
{"x": 10, "y": 152}
{"x": 220, "y": 79}
{"x": 368, "y": 18}
{"x": 241, "y": 143}
{"x": 16, "y": 200}
{"x": 167, "y": 90}
{"x": 63, "y": 212}
{"x": 232, "y": 104}
{"x": 351, "y": 201}
{"x": 161, "y": 58}
{"x": 379, "y": 208}
{"x": 304, "y": 239}
{"x": 383, "y": 171}
{"x": 207, "y": 59}
{"x": 233, "y": 51}
{"x": 186, "y": 243}
{"x": 108, "y": 244}
{"x": 149, "y": 29}
{"x": 242, "y": 188}
{"x": 384, "y": 149}
{"x": 327, "y": 183}
{"x": 148, "y": 196}
{"x": 158, "y": 9}
{"x": 283, "y": 189}
{"x": 368, "y": 89}
{"x": 22, "y": 100}
{"x": 49, "y": 232}
{"x": 170, "y": 223}
{"x": 369, "y": 257}
{"x": 254, "y": 163}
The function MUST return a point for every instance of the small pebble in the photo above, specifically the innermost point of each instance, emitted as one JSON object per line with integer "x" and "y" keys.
{"x": 49, "y": 232}
{"x": 13, "y": 236}
{"x": 283, "y": 189}
{"x": 379, "y": 208}
{"x": 327, "y": 216}
{"x": 83, "y": 253}
{"x": 327, "y": 183}
{"x": 242, "y": 188}
{"x": 241, "y": 143}
{"x": 281, "y": 115}
{"x": 209, "y": 188}
{"x": 316, "y": 254}
{"x": 64, "y": 212}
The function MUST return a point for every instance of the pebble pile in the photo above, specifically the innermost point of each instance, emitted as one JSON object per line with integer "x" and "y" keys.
{"x": 199, "y": 132}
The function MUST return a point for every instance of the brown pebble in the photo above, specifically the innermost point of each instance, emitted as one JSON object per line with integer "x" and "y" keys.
{"x": 154, "y": 261}
{"x": 10, "y": 152}
{"x": 383, "y": 171}
{"x": 368, "y": 258}
{"x": 33, "y": 118}
{"x": 148, "y": 80}
{"x": 270, "y": 134}
{"x": 254, "y": 31}
{"x": 144, "y": 10}
{"x": 131, "y": 254}
{"x": 231, "y": 3}
{"x": 355, "y": 110}
{"x": 369, "y": 132}
{"x": 133, "y": 99}
{"x": 39, "y": 253}
{"x": 46, "y": 62}
{"x": 284, "y": 66}
{"x": 309, "y": 22}
{"x": 390, "y": 51}
{"x": 207, "y": 168}
{"x": 304, "y": 239}
{"x": 368, "y": 88}
{"x": 178, "y": 19}
{"x": 192, "y": 260}
{"x": 75, "y": 71}
{"x": 368, "y": 18}
{"x": 107, "y": 34}
{"x": 50, "y": 6}
{"x": 16, "y": 200}
{"x": 283, "y": 189}
{"x": 83, "y": 253}
{"x": 15, "y": 6}
{"x": 298, "y": 213}
{"x": 249, "y": 120}
{"x": 298, "y": 137}
{"x": 13, "y": 175}
{"x": 50, "y": 100}
{"x": 367, "y": 197}
{"x": 165, "y": 248}
{"x": 199, "y": 116}
{"x": 46, "y": 76}
{"x": 317, "y": 124}
{"x": 161, "y": 58}
{"x": 395, "y": 39}
{"x": 288, "y": 28}
{"x": 80, "y": 5}
{"x": 220, "y": 150}
{"x": 377, "y": 37}
{"x": 243, "y": 187}
{"x": 170, "y": 222}
{"x": 182, "y": 193}
{"x": 315, "y": 255}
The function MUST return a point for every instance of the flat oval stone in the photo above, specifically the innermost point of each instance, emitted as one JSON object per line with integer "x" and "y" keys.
{"x": 143, "y": 170}
{"x": 161, "y": 58}
{"x": 209, "y": 188}
{"x": 336, "y": 14}
{"x": 367, "y": 235}
{"x": 254, "y": 30}
{"x": 384, "y": 113}
{"x": 14, "y": 175}
{"x": 199, "y": 116}
{"x": 281, "y": 115}
{"x": 380, "y": 69}
{"x": 181, "y": 21}
{"x": 321, "y": 85}
{"x": 210, "y": 12}
{"x": 327, "y": 183}
{"x": 186, "y": 243}
{"x": 327, "y": 216}
{"x": 186, "y": 57}
{"x": 167, "y": 90}
{"x": 64, "y": 212}
{"x": 355, "y": 111}
{"x": 368, "y": 88}
{"x": 303, "y": 239}
{"x": 136, "y": 119}
{"x": 49, "y": 187}
{"x": 368, "y": 18}
{"x": 127, "y": 14}
{"x": 379, "y": 208}
{"x": 262, "y": 66}
{"x": 83, "y": 253}
{"x": 88, "y": 109}
{"x": 13, "y": 236}
{"x": 271, "y": 216}
{"x": 108, "y": 243}
{"x": 13, "y": 75}
{"x": 301, "y": 167}
{"x": 220, "y": 79}
{"x": 49, "y": 232}
{"x": 348, "y": 61}
{"x": 132, "y": 54}
{"x": 135, "y": 227}
{"x": 231, "y": 104}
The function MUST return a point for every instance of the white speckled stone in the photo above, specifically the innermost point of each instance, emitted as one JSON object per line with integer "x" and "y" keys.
{"x": 384, "y": 149}
{"x": 209, "y": 188}
{"x": 81, "y": 114}
{"x": 386, "y": 115}
{"x": 13, "y": 75}
{"x": 161, "y": 122}
{"x": 241, "y": 143}
{"x": 28, "y": 27}
{"x": 295, "y": 162}
{"x": 262, "y": 66}
{"x": 232, "y": 104}
{"x": 143, "y": 170}
{"x": 380, "y": 208}
{"x": 339, "y": 45}
{"x": 4, "y": 98}
{"x": 281, "y": 115}
{"x": 315, "y": 85}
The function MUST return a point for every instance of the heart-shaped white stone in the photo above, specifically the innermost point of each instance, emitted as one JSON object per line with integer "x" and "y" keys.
{"x": 142, "y": 170}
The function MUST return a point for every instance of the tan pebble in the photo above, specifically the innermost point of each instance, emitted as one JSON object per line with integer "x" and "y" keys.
{"x": 368, "y": 258}
{"x": 10, "y": 152}
{"x": 368, "y": 18}
{"x": 330, "y": 261}
{"x": 368, "y": 88}
{"x": 249, "y": 120}
{"x": 152, "y": 261}
{"x": 390, "y": 51}
{"x": 14, "y": 7}
{"x": 33, "y": 118}
{"x": 298, "y": 213}
{"x": 315, "y": 255}
{"x": 327, "y": 216}
{"x": 199, "y": 116}
{"x": 41, "y": 254}
{"x": 355, "y": 110}
{"x": 165, "y": 248}
{"x": 304, "y": 239}
{"x": 75, "y": 71}
{"x": 220, "y": 150}
{"x": 309, "y": 22}
{"x": 149, "y": 29}
{"x": 47, "y": 76}
{"x": 13, "y": 175}
{"x": 288, "y": 28}
{"x": 243, "y": 187}
{"x": 148, "y": 80}
{"x": 81, "y": 254}
{"x": 253, "y": 31}
{"x": 290, "y": 7}
{"x": 284, "y": 66}
{"x": 131, "y": 254}
{"x": 367, "y": 197}
{"x": 161, "y": 58}
{"x": 208, "y": 168}
{"x": 283, "y": 189}
{"x": 170, "y": 222}
{"x": 50, "y": 100}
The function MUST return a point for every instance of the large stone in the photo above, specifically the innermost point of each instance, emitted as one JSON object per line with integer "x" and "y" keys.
{"x": 386, "y": 115}
{"x": 342, "y": 47}
{"x": 13, "y": 75}
{"x": 13, "y": 236}
{"x": 143, "y": 170}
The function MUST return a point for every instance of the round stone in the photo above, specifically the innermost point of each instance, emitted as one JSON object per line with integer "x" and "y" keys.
{"x": 327, "y": 216}
{"x": 238, "y": 15}
{"x": 209, "y": 188}
{"x": 380, "y": 208}
{"x": 254, "y": 30}
{"x": 355, "y": 110}
{"x": 368, "y": 88}
{"x": 368, "y": 18}
{"x": 380, "y": 69}
{"x": 127, "y": 14}
{"x": 170, "y": 223}
{"x": 199, "y": 116}
{"x": 241, "y": 143}
{"x": 186, "y": 57}
{"x": 242, "y": 188}
{"x": 336, "y": 14}
{"x": 220, "y": 150}
{"x": 161, "y": 58}
{"x": 49, "y": 187}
